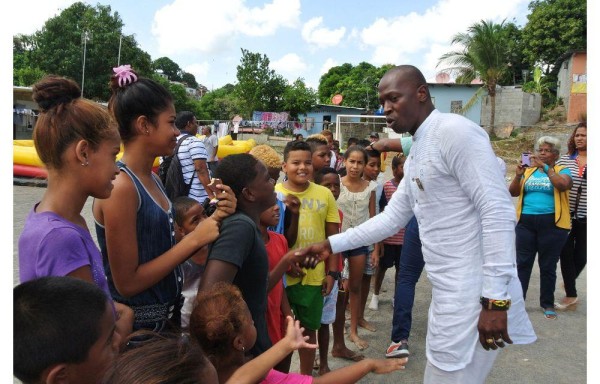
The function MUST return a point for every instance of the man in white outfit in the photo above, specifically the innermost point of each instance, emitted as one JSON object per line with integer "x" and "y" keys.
{"x": 454, "y": 187}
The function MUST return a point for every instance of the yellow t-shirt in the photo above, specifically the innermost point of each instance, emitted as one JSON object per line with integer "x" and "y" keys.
{"x": 317, "y": 207}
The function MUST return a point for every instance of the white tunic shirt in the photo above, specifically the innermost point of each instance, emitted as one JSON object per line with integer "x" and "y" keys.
{"x": 454, "y": 187}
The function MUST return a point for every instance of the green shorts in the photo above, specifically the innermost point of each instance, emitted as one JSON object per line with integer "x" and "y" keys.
{"x": 307, "y": 304}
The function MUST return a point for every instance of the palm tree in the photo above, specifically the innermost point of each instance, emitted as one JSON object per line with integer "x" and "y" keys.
{"x": 484, "y": 56}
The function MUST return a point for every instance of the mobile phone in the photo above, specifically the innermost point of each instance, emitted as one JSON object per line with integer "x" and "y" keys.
{"x": 213, "y": 188}
{"x": 525, "y": 159}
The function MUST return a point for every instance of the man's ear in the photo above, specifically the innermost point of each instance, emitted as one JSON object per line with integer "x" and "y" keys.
{"x": 248, "y": 195}
{"x": 56, "y": 374}
{"x": 422, "y": 93}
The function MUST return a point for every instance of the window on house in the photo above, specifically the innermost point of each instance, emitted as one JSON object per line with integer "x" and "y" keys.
{"x": 455, "y": 106}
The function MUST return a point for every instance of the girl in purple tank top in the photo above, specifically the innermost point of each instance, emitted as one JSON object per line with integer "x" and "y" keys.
{"x": 78, "y": 142}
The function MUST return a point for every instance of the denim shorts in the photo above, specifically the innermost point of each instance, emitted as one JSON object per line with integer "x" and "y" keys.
{"x": 356, "y": 252}
{"x": 329, "y": 303}
{"x": 369, "y": 270}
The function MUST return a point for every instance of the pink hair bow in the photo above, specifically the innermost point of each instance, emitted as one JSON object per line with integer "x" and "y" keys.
{"x": 124, "y": 75}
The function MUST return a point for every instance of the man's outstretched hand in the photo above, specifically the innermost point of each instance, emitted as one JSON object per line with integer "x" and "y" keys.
{"x": 314, "y": 253}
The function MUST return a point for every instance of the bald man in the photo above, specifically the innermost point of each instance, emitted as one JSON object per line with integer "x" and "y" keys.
{"x": 455, "y": 189}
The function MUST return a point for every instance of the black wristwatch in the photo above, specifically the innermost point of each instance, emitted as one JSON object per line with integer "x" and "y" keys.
{"x": 495, "y": 305}
{"x": 335, "y": 274}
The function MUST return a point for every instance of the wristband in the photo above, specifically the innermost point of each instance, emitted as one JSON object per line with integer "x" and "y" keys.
{"x": 546, "y": 168}
{"x": 495, "y": 305}
{"x": 335, "y": 274}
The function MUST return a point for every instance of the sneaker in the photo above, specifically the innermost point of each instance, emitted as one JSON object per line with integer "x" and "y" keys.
{"x": 374, "y": 304}
{"x": 398, "y": 349}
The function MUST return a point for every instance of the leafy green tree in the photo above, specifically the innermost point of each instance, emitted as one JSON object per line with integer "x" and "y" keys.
{"x": 516, "y": 58}
{"x": 273, "y": 93}
{"x": 328, "y": 83}
{"x": 483, "y": 55}
{"x": 169, "y": 68}
{"x": 220, "y": 104}
{"x": 256, "y": 82}
{"x": 58, "y": 48}
{"x": 25, "y": 71}
{"x": 189, "y": 79}
{"x": 357, "y": 84}
{"x": 298, "y": 98}
{"x": 181, "y": 100}
{"x": 554, "y": 27}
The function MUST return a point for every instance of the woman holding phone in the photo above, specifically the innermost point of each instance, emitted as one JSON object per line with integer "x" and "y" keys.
{"x": 543, "y": 219}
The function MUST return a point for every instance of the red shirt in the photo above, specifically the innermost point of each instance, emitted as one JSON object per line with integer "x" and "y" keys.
{"x": 277, "y": 246}
{"x": 388, "y": 189}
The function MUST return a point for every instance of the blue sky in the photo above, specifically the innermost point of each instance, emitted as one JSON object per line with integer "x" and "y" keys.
{"x": 301, "y": 38}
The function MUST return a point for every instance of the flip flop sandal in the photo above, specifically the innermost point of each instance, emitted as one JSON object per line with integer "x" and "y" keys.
{"x": 550, "y": 314}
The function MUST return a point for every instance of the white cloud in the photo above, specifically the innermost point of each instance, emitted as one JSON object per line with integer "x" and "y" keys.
{"x": 427, "y": 35}
{"x": 266, "y": 20}
{"x": 290, "y": 66}
{"x": 199, "y": 70}
{"x": 328, "y": 64}
{"x": 31, "y": 15}
{"x": 211, "y": 26}
{"x": 314, "y": 34}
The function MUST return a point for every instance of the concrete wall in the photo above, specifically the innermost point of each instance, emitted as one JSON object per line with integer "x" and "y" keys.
{"x": 513, "y": 106}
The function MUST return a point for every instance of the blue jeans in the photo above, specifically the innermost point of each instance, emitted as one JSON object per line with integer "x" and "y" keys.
{"x": 411, "y": 266}
{"x": 538, "y": 234}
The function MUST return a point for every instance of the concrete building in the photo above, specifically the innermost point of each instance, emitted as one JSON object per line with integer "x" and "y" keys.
{"x": 24, "y": 113}
{"x": 451, "y": 97}
{"x": 322, "y": 115}
{"x": 571, "y": 69}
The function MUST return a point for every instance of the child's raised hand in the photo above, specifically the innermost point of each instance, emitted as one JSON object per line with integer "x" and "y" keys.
{"x": 381, "y": 366}
{"x": 294, "y": 335}
{"x": 206, "y": 231}
{"x": 292, "y": 203}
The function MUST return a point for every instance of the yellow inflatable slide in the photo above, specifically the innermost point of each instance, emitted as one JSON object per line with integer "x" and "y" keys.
{"x": 26, "y": 161}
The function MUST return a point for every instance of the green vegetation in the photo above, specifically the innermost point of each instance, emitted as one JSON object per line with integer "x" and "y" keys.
{"x": 495, "y": 53}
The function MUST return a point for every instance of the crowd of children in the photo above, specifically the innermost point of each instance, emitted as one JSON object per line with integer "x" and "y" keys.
{"x": 173, "y": 294}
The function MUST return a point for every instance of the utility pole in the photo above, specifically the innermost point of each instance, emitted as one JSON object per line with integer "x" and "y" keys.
{"x": 85, "y": 37}
{"x": 364, "y": 80}
{"x": 119, "y": 58}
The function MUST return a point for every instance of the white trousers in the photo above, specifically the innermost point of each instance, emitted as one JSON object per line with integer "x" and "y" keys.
{"x": 474, "y": 373}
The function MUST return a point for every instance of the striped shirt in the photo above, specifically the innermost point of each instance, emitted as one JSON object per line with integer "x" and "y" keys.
{"x": 192, "y": 149}
{"x": 388, "y": 190}
{"x": 570, "y": 161}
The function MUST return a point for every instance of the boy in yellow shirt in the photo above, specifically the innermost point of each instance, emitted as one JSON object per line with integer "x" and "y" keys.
{"x": 319, "y": 219}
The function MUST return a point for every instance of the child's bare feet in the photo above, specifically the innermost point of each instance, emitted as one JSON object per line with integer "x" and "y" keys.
{"x": 347, "y": 354}
{"x": 366, "y": 325}
{"x": 360, "y": 343}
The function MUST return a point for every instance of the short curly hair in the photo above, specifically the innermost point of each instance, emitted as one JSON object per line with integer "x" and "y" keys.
{"x": 217, "y": 318}
{"x": 267, "y": 155}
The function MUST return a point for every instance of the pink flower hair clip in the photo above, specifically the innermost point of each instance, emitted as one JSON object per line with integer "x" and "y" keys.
{"x": 125, "y": 75}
